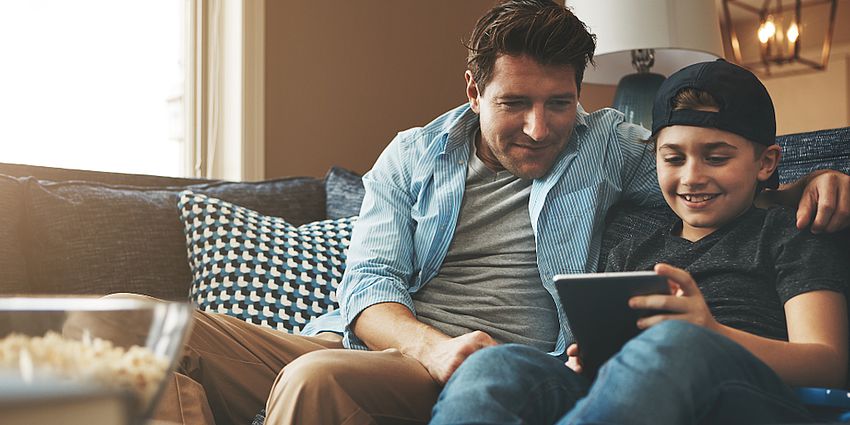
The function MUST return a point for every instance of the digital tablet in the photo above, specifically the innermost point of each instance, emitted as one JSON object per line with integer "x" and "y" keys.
{"x": 598, "y": 312}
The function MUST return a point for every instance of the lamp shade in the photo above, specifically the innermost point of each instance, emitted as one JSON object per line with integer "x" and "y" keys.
{"x": 681, "y": 32}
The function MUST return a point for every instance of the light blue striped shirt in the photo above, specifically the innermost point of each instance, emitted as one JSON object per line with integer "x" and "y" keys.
{"x": 414, "y": 194}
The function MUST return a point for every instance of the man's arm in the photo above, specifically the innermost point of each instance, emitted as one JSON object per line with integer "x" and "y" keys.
{"x": 374, "y": 295}
{"x": 822, "y": 196}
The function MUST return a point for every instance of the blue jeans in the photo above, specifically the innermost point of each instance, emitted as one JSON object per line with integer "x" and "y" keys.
{"x": 672, "y": 373}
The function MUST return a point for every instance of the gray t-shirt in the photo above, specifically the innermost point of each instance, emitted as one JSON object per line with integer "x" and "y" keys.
{"x": 747, "y": 269}
{"x": 489, "y": 280}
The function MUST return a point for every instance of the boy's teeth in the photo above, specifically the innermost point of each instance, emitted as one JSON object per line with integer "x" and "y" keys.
{"x": 697, "y": 198}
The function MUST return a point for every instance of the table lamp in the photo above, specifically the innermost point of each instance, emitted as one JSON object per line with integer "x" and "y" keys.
{"x": 640, "y": 42}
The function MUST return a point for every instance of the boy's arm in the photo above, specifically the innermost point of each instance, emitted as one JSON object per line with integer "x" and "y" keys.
{"x": 815, "y": 354}
{"x": 823, "y": 195}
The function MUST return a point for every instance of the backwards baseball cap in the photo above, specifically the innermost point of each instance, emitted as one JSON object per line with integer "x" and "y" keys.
{"x": 745, "y": 105}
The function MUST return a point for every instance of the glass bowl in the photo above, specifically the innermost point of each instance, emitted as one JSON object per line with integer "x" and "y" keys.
{"x": 129, "y": 345}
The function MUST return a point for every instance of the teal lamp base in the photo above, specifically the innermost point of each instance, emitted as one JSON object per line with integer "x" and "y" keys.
{"x": 634, "y": 96}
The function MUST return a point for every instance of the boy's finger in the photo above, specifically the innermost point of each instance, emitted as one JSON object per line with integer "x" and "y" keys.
{"x": 679, "y": 277}
{"x": 658, "y": 302}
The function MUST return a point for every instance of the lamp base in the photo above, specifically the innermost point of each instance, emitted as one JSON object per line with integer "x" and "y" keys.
{"x": 634, "y": 96}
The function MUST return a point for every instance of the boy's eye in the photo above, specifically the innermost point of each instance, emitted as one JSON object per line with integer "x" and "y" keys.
{"x": 717, "y": 159}
{"x": 674, "y": 159}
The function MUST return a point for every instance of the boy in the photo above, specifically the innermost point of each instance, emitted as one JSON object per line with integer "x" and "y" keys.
{"x": 757, "y": 305}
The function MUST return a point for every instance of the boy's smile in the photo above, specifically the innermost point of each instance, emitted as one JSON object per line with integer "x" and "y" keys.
{"x": 709, "y": 176}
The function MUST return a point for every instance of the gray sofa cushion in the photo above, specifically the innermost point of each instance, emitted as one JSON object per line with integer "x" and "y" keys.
{"x": 90, "y": 238}
{"x": 344, "y": 193}
{"x": 299, "y": 200}
{"x": 803, "y": 153}
{"x": 13, "y": 271}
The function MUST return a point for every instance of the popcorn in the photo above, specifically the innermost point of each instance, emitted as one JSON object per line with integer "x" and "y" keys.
{"x": 92, "y": 359}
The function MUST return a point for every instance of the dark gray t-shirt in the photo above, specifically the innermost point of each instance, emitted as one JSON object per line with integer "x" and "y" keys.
{"x": 748, "y": 269}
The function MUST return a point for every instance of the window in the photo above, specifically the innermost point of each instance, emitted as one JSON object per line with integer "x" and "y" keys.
{"x": 94, "y": 84}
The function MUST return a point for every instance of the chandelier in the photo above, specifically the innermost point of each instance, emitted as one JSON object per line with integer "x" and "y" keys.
{"x": 780, "y": 37}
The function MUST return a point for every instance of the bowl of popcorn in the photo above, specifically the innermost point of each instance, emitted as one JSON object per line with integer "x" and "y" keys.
{"x": 126, "y": 345}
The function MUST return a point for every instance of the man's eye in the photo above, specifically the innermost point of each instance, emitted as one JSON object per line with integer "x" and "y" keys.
{"x": 560, "y": 104}
{"x": 674, "y": 159}
{"x": 512, "y": 104}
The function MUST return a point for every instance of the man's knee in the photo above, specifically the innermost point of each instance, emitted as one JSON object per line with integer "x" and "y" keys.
{"x": 316, "y": 372}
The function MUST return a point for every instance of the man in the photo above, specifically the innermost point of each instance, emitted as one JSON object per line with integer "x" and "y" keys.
{"x": 464, "y": 222}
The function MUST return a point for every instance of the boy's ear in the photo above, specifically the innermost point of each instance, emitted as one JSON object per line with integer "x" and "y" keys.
{"x": 769, "y": 161}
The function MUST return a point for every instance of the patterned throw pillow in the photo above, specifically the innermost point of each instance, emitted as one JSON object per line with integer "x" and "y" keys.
{"x": 262, "y": 269}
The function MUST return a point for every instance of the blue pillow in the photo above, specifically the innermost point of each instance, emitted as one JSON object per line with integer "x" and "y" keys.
{"x": 262, "y": 269}
{"x": 343, "y": 193}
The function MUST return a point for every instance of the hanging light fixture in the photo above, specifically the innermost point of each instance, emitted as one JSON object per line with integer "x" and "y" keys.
{"x": 778, "y": 30}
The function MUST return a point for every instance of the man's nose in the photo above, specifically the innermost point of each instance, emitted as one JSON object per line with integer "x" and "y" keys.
{"x": 535, "y": 124}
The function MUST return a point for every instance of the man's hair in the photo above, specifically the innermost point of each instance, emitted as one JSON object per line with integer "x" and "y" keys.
{"x": 546, "y": 31}
{"x": 693, "y": 99}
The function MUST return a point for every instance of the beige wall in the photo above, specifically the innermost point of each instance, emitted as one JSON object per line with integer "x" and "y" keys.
{"x": 342, "y": 77}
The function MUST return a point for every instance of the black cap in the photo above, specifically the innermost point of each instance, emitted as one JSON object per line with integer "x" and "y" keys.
{"x": 745, "y": 105}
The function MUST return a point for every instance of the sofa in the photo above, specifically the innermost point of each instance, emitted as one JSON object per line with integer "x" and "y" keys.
{"x": 84, "y": 232}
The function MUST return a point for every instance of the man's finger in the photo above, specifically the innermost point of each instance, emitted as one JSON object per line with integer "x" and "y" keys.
{"x": 827, "y": 198}
{"x": 840, "y": 219}
{"x": 808, "y": 203}
{"x": 841, "y": 216}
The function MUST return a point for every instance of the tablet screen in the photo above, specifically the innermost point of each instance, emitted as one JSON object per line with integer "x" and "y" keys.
{"x": 598, "y": 313}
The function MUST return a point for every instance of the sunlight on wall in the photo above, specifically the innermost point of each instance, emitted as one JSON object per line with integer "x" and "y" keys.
{"x": 86, "y": 84}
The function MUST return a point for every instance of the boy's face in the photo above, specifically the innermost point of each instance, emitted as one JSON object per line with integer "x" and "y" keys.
{"x": 709, "y": 176}
{"x": 527, "y": 112}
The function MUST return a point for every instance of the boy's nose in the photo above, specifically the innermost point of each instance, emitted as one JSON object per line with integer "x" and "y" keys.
{"x": 535, "y": 124}
{"x": 693, "y": 174}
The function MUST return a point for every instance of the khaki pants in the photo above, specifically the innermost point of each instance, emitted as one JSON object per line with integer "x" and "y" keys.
{"x": 231, "y": 369}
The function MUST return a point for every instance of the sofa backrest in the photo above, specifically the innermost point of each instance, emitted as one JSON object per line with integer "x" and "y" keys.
{"x": 81, "y": 237}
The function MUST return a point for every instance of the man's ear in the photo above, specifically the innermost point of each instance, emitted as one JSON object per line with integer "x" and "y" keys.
{"x": 769, "y": 161}
{"x": 472, "y": 92}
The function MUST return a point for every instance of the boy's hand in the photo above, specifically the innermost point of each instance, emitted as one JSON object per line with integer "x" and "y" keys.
{"x": 574, "y": 361}
{"x": 826, "y": 199}
{"x": 686, "y": 304}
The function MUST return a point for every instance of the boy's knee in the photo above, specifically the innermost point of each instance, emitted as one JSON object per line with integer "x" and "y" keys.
{"x": 687, "y": 336}
{"x": 494, "y": 363}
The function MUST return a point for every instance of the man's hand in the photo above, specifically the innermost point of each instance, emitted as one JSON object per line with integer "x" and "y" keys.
{"x": 822, "y": 199}
{"x": 445, "y": 357}
{"x": 826, "y": 199}
{"x": 574, "y": 361}
{"x": 392, "y": 325}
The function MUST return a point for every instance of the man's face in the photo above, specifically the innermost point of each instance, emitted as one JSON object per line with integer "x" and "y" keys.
{"x": 527, "y": 113}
